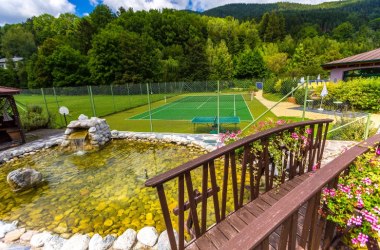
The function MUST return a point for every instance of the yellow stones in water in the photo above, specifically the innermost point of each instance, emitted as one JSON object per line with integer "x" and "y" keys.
{"x": 108, "y": 223}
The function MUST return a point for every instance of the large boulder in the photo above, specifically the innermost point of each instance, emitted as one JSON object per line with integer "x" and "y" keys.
{"x": 24, "y": 178}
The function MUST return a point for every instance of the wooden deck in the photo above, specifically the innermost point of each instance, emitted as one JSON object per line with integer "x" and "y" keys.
{"x": 221, "y": 233}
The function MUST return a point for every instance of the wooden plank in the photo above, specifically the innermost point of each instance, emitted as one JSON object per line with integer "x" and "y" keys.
{"x": 193, "y": 204}
{"x": 262, "y": 204}
{"x": 225, "y": 185}
{"x": 228, "y": 230}
{"x": 244, "y": 214}
{"x": 268, "y": 199}
{"x": 205, "y": 243}
{"x": 216, "y": 237}
{"x": 236, "y": 222}
{"x": 204, "y": 197}
{"x": 181, "y": 212}
{"x": 192, "y": 246}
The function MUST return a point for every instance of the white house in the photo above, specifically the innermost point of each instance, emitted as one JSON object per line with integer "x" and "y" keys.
{"x": 3, "y": 61}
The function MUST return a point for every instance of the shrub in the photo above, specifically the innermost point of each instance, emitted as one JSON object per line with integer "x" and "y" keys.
{"x": 269, "y": 86}
{"x": 34, "y": 118}
{"x": 353, "y": 132}
{"x": 362, "y": 94}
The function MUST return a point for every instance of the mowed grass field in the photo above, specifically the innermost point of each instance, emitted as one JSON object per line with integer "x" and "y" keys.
{"x": 119, "y": 110}
{"x": 81, "y": 104}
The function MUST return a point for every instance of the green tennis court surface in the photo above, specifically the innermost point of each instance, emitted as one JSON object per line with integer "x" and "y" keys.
{"x": 189, "y": 107}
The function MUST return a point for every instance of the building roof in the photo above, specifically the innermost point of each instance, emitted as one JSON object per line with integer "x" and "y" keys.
{"x": 366, "y": 57}
{"x": 8, "y": 91}
{"x": 15, "y": 59}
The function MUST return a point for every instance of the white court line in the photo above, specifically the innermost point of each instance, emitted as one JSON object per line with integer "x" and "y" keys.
{"x": 203, "y": 103}
{"x": 247, "y": 108}
{"x": 169, "y": 106}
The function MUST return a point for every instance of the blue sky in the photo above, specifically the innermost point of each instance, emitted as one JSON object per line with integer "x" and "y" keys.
{"x": 16, "y": 11}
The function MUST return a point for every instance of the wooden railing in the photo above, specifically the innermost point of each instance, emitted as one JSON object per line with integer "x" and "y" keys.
{"x": 257, "y": 171}
{"x": 283, "y": 216}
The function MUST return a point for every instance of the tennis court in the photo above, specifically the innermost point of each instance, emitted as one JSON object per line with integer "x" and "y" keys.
{"x": 188, "y": 107}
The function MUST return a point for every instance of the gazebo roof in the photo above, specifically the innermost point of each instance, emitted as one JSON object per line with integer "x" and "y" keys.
{"x": 363, "y": 58}
{"x": 9, "y": 91}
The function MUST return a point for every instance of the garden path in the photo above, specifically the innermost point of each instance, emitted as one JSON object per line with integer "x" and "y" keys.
{"x": 288, "y": 109}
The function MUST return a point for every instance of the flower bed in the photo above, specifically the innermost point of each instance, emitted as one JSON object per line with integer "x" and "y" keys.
{"x": 355, "y": 204}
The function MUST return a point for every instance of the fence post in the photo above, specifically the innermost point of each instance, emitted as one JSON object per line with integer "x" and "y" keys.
{"x": 91, "y": 100}
{"x": 113, "y": 99}
{"x": 218, "y": 111}
{"x": 56, "y": 100}
{"x": 47, "y": 109}
{"x": 367, "y": 126}
{"x": 305, "y": 98}
{"x": 150, "y": 112}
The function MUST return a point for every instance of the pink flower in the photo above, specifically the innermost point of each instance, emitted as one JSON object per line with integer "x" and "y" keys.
{"x": 363, "y": 239}
{"x": 378, "y": 151}
{"x": 280, "y": 122}
{"x": 360, "y": 203}
{"x": 308, "y": 131}
{"x": 375, "y": 227}
{"x": 376, "y": 210}
{"x": 357, "y": 221}
{"x": 295, "y": 135}
{"x": 371, "y": 218}
{"x": 367, "y": 181}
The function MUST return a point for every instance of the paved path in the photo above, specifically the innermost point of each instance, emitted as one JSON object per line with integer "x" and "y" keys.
{"x": 288, "y": 109}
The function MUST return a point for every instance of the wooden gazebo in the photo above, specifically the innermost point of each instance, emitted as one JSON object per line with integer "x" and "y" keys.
{"x": 11, "y": 133}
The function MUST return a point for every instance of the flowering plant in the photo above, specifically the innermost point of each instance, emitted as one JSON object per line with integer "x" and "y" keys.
{"x": 229, "y": 137}
{"x": 355, "y": 204}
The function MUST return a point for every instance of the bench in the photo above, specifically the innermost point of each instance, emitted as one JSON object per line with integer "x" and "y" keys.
{"x": 214, "y": 121}
{"x": 242, "y": 181}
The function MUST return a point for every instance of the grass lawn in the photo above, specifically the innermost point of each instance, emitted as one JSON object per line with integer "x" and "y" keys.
{"x": 274, "y": 97}
{"x": 81, "y": 104}
{"x": 119, "y": 109}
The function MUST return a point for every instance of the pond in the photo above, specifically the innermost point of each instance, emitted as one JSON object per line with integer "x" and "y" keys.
{"x": 100, "y": 192}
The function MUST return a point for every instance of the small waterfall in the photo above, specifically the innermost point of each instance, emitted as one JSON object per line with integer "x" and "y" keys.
{"x": 78, "y": 140}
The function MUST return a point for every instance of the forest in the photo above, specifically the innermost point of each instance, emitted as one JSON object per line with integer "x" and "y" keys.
{"x": 103, "y": 48}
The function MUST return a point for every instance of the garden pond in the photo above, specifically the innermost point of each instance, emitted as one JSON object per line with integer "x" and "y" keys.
{"x": 98, "y": 192}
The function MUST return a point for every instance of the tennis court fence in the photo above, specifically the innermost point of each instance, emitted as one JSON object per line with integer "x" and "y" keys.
{"x": 184, "y": 107}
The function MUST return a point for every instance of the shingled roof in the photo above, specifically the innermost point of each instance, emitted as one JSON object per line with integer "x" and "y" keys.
{"x": 8, "y": 91}
{"x": 366, "y": 57}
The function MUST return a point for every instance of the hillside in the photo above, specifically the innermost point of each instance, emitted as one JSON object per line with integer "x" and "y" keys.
{"x": 326, "y": 15}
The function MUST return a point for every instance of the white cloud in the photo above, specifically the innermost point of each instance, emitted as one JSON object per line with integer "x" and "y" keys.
{"x": 15, "y": 11}
{"x": 94, "y": 2}
{"x": 189, "y": 4}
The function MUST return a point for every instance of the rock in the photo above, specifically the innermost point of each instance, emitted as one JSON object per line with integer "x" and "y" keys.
{"x": 76, "y": 242}
{"x": 68, "y": 131}
{"x": 54, "y": 243}
{"x": 82, "y": 117}
{"x": 115, "y": 133}
{"x": 23, "y": 178}
{"x": 26, "y": 237}
{"x": 98, "y": 243}
{"x": 92, "y": 130}
{"x": 141, "y": 246}
{"x": 39, "y": 240}
{"x": 163, "y": 240}
{"x": 16, "y": 247}
{"x": 5, "y": 228}
{"x": 126, "y": 240}
{"x": 148, "y": 236}
{"x": 14, "y": 235}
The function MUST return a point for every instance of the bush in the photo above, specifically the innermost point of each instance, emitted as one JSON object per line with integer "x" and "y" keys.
{"x": 269, "y": 86}
{"x": 34, "y": 118}
{"x": 362, "y": 94}
{"x": 353, "y": 132}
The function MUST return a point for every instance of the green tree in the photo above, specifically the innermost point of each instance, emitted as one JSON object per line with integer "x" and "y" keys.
{"x": 344, "y": 31}
{"x": 18, "y": 42}
{"x": 220, "y": 61}
{"x": 68, "y": 67}
{"x": 250, "y": 64}
{"x": 101, "y": 16}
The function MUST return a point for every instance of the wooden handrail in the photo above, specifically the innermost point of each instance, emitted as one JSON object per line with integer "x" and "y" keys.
{"x": 266, "y": 159}
{"x": 190, "y": 165}
{"x": 262, "y": 226}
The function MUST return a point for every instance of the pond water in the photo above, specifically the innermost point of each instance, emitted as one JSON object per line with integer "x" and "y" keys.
{"x": 100, "y": 192}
